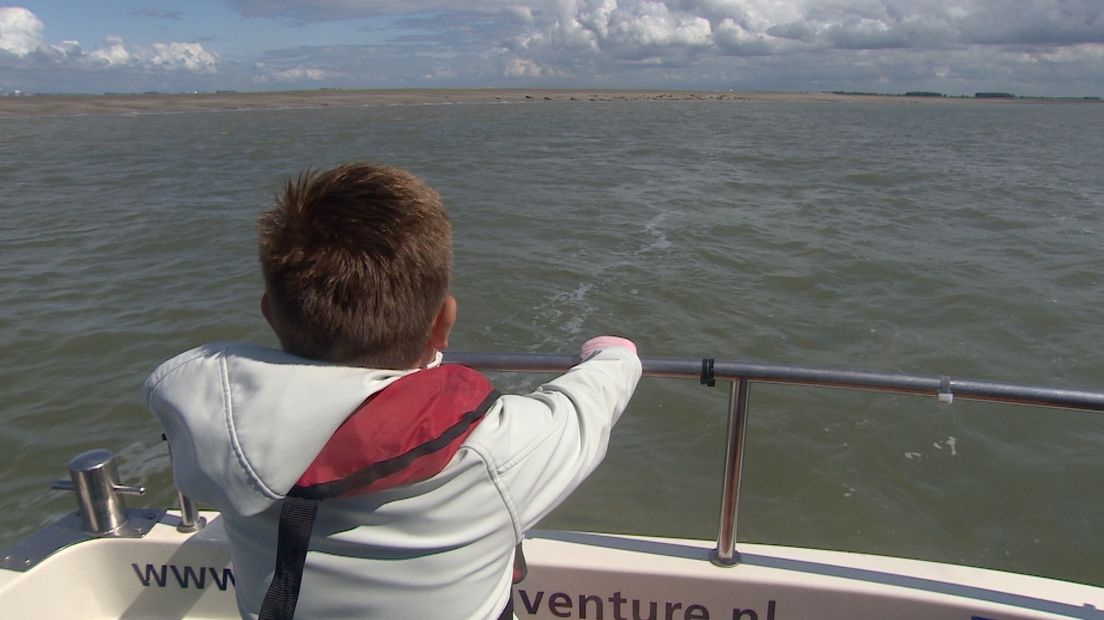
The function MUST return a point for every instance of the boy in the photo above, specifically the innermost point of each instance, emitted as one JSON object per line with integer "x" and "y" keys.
{"x": 356, "y": 262}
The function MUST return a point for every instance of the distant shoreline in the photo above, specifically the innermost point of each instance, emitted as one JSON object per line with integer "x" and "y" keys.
{"x": 152, "y": 103}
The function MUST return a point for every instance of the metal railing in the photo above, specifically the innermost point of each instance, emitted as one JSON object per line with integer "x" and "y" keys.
{"x": 741, "y": 374}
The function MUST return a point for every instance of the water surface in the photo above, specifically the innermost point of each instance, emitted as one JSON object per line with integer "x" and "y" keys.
{"x": 954, "y": 239}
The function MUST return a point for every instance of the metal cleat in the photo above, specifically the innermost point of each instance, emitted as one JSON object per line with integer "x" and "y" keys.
{"x": 95, "y": 479}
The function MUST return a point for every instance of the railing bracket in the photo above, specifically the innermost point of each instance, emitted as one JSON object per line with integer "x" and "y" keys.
{"x": 708, "y": 377}
{"x": 945, "y": 396}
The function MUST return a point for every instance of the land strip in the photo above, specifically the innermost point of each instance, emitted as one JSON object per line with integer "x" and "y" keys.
{"x": 152, "y": 103}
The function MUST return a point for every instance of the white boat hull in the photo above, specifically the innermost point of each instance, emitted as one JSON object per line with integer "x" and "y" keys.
{"x": 167, "y": 574}
{"x": 577, "y": 575}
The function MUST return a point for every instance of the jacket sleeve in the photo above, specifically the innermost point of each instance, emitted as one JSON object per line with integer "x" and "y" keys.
{"x": 543, "y": 445}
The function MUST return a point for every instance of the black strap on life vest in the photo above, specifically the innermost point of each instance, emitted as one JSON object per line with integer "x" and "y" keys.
{"x": 296, "y": 522}
{"x": 508, "y": 610}
{"x": 301, "y": 505}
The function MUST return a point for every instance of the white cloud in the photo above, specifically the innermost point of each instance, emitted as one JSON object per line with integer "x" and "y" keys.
{"x": 114, "y": 53}
{"x": 172, "y": 56}
{"x": 851, "y": 24}
{"x": 21, "y": 35}
{"x": 605, "y": 25}
{"x": 735, "y": 39}
{"x": 1086, "y": 53}
{"x": 618, "y": 35}
{"x": 522, "y": 13}
{"x": 653, "y": 24}
{"x": 303, "y": 11}
{"x": 522, "y": 68}
{"x": 790, "y": 44}
{"x": 441, "y": 73}
{"x": 631, "y": 30}
{"x": 182, "y": 56}
{"x": 67, "y": 49}
{"x": 20, "y": 31}
{"x": 300, "y": 74}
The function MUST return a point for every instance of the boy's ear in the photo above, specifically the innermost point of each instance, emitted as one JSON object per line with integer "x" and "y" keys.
{"x": 266, "y": 311}
{"x": 442, "y": 325}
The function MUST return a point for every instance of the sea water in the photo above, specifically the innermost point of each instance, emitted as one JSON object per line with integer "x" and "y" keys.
{"x": 959, "y": 238}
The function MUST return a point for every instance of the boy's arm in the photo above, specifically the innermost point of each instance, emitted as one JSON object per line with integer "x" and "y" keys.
{"x": 546, "y": 443}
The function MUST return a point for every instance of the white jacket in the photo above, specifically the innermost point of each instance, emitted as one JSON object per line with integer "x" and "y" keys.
{"x": 244, "y": 422}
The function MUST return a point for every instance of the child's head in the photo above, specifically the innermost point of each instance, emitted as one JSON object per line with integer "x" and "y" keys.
{"x": 356, "y": 262}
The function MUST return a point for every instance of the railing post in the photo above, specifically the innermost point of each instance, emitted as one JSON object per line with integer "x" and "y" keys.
{"x": 725, "y": 554}
{"x": 190, "y": 521}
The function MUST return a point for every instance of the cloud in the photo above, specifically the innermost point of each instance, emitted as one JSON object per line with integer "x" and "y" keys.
{"x": 66, "y": 49}
{"x": 948, "y": 45}
{"x": 21, "y": 37}
{"x": 114, "y": 53}
{"x": 303, "y": 11}
{"x": 957, "y": 46}
{"x": 20, "y": 31}
{"x": 441, "y": 73}
{"x": 734, "y": 39}
{"x": 299, "y": 74}
{"x": 181, "y": 57}
{"x": 763, "y": 25}
{"x": 522, "y": 13}
{"x": 1086, "y": 52}
{"x": 660, "y": 38}
{"x": 523, "y": 68}
{"x": 846, "y": 24}
{"x": 158, "y": 14}
{"x": 1025, "y": 22}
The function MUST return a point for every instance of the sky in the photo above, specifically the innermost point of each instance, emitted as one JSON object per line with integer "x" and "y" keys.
{"x": 956, "y": 47}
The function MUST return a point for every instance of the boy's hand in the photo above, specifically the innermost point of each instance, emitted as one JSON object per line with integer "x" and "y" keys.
{"x": 600, "y": 342}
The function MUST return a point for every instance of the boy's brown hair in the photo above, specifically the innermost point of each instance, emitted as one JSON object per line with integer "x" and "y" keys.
{"x": 356, "y": 262}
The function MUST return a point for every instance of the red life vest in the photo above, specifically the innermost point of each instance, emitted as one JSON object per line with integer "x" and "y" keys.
{"x": 406, "y": 433}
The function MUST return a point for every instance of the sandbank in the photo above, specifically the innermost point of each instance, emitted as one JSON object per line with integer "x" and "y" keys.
{"x": 152, "y": 103}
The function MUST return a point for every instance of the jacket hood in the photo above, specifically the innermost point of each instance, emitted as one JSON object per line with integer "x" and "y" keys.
{"x": 244, "y": 422}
